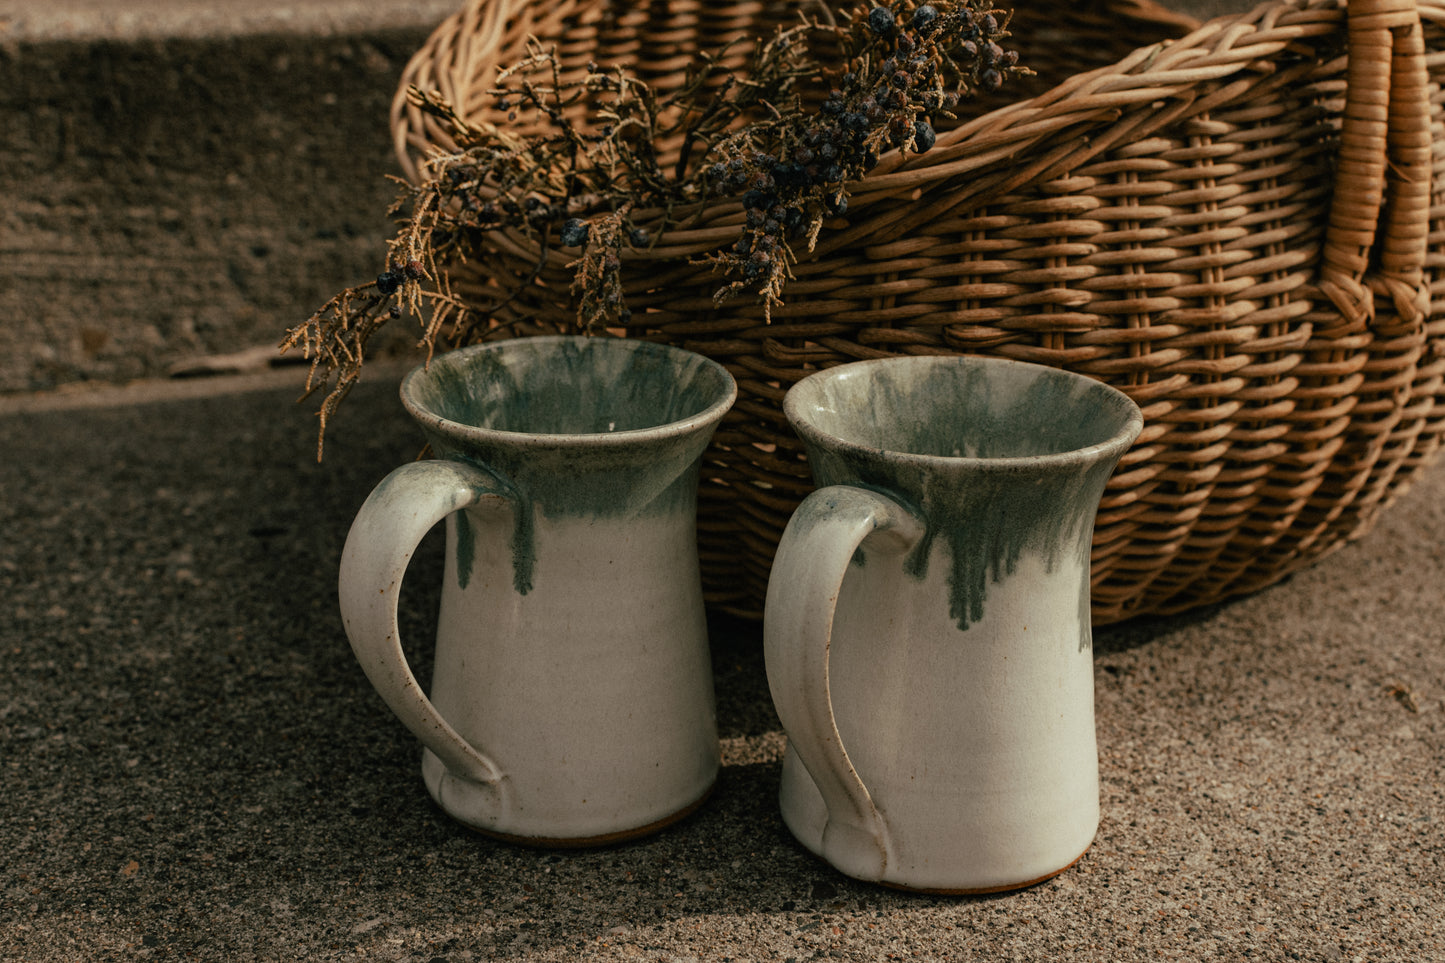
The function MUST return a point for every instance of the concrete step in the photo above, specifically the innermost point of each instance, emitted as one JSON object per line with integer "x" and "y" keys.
{"x": 188, "y": 178}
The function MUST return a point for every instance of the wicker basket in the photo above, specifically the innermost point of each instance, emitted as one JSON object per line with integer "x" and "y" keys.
{"x": 1239, "y": 226}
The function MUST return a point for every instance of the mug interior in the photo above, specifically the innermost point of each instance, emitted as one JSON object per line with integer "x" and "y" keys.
{"x": 960, "y": 407}
{"x": 569, "y": 386}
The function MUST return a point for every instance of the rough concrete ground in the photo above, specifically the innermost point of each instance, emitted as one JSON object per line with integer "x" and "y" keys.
{"x": 194, "y": 766}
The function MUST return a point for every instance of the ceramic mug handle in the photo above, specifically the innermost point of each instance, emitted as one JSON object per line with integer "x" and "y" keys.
{"x": 817, "y": 547}
{"x": 382, "y": 540}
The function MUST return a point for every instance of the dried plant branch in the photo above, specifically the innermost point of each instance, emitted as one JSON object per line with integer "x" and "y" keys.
{"x": 786, "y": 136}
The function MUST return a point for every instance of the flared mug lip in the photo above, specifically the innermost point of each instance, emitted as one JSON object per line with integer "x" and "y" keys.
{"x": 476, "y": 434}
{"x": 798, "y": 404}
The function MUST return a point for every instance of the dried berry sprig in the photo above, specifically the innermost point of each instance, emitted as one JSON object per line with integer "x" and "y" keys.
{"x": 335, "y": 338}
{"x": 585, "y": 152}
{"x": 907, "y": 67}
{"x": 598, "y": 279}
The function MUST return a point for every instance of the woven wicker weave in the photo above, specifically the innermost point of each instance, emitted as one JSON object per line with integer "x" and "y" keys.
{"x": 1239, "y": 227}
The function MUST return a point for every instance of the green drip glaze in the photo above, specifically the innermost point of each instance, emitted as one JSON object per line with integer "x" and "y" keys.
{"x": 997, "y": 458}
{"x": 523, "y": 541}
{"x": 568, "y": 387}
{"x": 466, "y": 550}
{"x": 524, "y": 549}
{"x": 573, "y": 427}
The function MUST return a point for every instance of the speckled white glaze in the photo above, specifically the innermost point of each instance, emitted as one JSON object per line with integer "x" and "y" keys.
{"x": 572, "y": 700}
{"x": 927, "y": 623}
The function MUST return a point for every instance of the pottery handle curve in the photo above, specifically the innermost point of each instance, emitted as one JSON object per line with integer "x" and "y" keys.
{"x": 383, "y": 538}
{"x": 817, "y": 547}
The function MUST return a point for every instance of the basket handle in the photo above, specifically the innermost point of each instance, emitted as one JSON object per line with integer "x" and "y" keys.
{"x": 1384, "y": 164}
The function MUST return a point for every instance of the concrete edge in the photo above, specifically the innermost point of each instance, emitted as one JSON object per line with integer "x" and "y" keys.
{"x": 91, "y": 395}
{"x": 85, "y": 21}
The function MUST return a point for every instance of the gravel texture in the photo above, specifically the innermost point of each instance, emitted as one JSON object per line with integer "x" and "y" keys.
{"x": 195, "y": 768}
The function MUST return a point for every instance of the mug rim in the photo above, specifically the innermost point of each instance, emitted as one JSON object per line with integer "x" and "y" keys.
{"x": 596, "y": 439}
{"x": 1118, "y": 441}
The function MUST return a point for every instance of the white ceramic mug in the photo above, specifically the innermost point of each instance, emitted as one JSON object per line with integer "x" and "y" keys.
{"x": 572, "y": 699}
{"x": 927, "y": 627}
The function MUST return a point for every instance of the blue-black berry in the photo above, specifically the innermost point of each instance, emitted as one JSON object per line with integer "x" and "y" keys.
{"x": 880, "y": 21}
{"x": 923, "y": 136}
{"x": 924, "y": 17}
{"x": 757, "y": 200}
{"x": 387, "y": 283}
{"x": 574, "y": 232}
